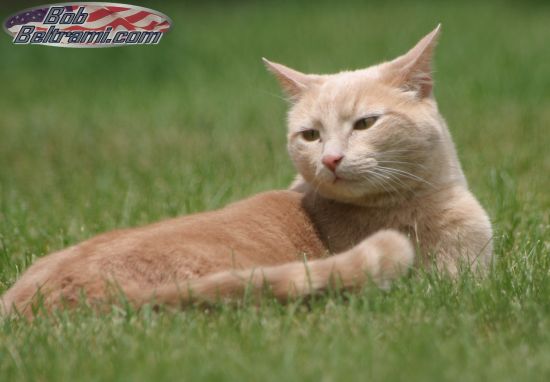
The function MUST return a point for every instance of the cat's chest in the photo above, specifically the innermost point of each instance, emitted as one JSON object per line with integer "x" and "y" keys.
{"x": 343, "y": 228}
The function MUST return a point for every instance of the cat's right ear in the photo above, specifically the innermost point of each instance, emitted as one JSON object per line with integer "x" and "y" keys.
{"x": 292, "y": 81}
{"x": 413, "y": 70}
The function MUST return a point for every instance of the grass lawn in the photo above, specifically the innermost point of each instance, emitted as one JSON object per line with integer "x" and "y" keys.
{"x": 94, "y": 139}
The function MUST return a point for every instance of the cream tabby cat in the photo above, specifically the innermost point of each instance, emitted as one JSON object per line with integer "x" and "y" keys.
{"x": 378, "y": 173}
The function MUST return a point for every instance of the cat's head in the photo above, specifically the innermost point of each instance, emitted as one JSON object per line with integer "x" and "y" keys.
{"x": 367, "y": 132}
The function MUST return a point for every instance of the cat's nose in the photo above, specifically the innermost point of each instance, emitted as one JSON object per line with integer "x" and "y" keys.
{"x": 332, "y": 161}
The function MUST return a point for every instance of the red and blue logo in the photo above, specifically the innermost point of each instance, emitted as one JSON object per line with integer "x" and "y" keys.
{"x": 83, "y": 25}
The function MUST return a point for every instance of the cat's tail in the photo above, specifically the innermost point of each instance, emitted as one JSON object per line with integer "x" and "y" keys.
{"x": 380, "y": 258}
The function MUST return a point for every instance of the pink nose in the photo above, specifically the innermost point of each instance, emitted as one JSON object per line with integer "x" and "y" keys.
{"x": 332, "y": 161}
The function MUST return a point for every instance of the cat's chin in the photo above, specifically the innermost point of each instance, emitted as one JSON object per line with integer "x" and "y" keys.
{"x": 349, "y": 191}
{"x": 342, "y": 190}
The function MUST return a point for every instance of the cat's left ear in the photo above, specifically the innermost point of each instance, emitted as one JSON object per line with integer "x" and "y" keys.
{"x": 292, "y": 81}
{"x": 413, "y": 70}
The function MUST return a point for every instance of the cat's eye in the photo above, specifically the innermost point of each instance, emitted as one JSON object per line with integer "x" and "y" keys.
{"x": 311, "y": 135}
{"x": 365, "y": 123}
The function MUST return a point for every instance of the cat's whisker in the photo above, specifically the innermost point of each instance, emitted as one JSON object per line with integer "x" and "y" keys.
{"x": 394, "y": 151}
{"x": 390, "y": 154}
{"x": 381, "y": 182}
{"x": 451, "y": 165}
{"x": 395, "y": 179}
{"x": 406, "y": 174}
{"x": 385, "y": 181}
{"x": 405, "y": 163}
{"x": 375, "y": 181}
{"x": 396, "y": 176}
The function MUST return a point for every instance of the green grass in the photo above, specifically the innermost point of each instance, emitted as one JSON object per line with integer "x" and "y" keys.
{"x": 93, "y": 139}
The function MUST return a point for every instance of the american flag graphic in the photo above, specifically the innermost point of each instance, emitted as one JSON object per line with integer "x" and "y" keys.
{"x": 119, "y": 17}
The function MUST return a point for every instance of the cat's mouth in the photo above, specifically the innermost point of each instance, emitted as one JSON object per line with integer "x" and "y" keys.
{"x": 337, "y": 179}
{"x": 341, "y": 179}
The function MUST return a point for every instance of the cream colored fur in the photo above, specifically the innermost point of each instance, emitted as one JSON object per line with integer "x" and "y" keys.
{"x": 340, "y": 226}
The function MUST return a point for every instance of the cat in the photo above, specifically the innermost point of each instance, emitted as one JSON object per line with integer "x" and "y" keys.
{"x": 380, "y": 189}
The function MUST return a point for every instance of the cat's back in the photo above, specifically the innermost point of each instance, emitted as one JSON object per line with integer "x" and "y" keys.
{"x": 272, "y": 219}
{"x": 256, "y": 218}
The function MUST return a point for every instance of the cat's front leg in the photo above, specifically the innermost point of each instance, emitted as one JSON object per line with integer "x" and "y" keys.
{"x": 384, "y": 256}
{"x": 380, "y": 258}
{"x": 459, "y": 236}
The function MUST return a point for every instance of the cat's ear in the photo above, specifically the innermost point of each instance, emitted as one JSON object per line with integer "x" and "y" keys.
{"x": 413, "y": 70}
{"x": 292, "y": 81}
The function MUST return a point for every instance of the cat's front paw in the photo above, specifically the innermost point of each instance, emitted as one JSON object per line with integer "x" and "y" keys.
{"x": 387, "y": 255}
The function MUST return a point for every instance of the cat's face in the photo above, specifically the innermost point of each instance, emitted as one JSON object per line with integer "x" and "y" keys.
{"x": 366, "y": 132}
{"x": 353, "y": 136}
